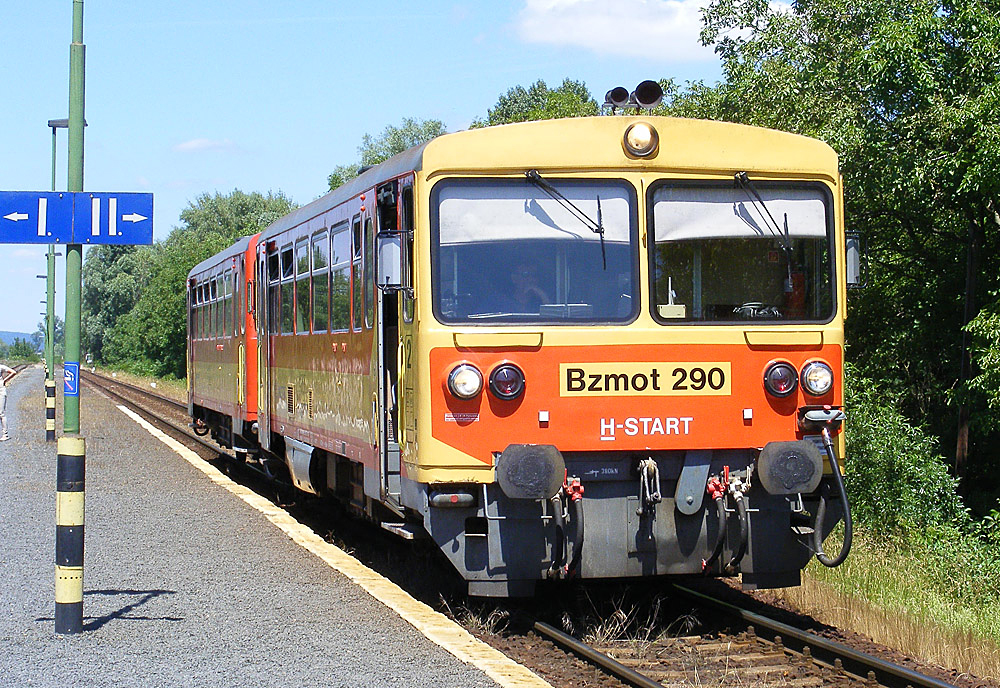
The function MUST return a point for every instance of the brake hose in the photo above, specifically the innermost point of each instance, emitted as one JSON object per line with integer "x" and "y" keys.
{"x": 821, "y": 510}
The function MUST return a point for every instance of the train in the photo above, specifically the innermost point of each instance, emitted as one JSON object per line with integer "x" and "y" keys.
{"x": 595, "y": 348}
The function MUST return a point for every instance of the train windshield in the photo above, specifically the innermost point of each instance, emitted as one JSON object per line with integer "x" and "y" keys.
{"x": 725, "y": 253}
{"x": 506, "y": 251}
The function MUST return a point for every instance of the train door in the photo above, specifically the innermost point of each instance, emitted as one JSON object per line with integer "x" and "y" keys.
{"x": 192, "y": 334}
{"x": 387, "y": 334}
{"x": 264, "y": 329}
{"x": 404, "y": 359}
{"x": 239, "y": 333}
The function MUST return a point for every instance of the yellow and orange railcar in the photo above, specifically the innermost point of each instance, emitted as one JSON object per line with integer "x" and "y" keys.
{"x": 596, "y": 348}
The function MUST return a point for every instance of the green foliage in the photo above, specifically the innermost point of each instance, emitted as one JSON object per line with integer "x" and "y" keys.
{"x": 20, "y": 350}
{"x": 395, "y": 140}
{"x": 38, "y": 337}
{"x": 391, "y": 141}
{"x": 113, "y": 279}
{"x": 151, "y": 337}
{"x": 906, "y": 504}
{"x": 985, "y": 330}
{"x": 907, "y": 92}
{"x": 538, "y": 101}
{"x": 341, "y": 175}
{"x": 897, "y": 481}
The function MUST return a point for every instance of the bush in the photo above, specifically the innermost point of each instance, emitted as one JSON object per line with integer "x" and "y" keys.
{"x": 897, "y": 481}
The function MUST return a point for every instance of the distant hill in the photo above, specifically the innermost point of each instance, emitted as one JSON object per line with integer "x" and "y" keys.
{"x": 8, "y": 337}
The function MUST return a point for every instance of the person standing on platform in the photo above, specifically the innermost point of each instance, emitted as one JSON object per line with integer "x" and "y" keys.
{"x": 5, "y": 374}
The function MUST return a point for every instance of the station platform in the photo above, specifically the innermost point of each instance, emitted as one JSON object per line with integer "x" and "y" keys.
{"x": 187, "y": 584}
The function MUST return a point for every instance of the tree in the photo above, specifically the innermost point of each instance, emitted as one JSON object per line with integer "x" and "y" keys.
{"x": 538, "y": 101}
{"x": 113, "y": 279}
{"x": 38, "y": 337}
{"x": 906, "y": 91}
{"x": 391, "y": 141}
{"x": 152, "y": 336}
{"x": 21, "y": 349}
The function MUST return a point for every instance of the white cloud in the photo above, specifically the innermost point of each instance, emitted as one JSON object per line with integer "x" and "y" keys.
{"x": 665, "y": 30}
{"x": 205, "y": 146}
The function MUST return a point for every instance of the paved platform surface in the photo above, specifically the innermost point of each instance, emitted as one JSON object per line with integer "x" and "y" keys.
{"x": 184, "y": 583}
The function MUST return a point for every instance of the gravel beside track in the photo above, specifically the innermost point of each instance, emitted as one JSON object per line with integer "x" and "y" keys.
{"x": 184, "y": 584}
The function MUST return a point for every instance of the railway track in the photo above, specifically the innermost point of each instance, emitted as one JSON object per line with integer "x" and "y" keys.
{"x": 754, "y": 650}
{"x": 126, "y": 393}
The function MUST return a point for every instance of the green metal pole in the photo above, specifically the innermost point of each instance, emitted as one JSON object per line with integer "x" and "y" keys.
{"x": 74, "y": 252}
{"x": 72, "y": 450}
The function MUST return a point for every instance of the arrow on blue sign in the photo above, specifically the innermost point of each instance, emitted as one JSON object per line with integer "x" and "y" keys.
{"x": 81, "y": 217}
{"x": 112, "y": 218}
{"x": 36, "y": 217}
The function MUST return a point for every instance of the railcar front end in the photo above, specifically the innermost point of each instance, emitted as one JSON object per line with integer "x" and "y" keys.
{"x": 626, "y": 360}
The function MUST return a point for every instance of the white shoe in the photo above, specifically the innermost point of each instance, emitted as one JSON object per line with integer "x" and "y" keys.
{"x": 4, "y": 438}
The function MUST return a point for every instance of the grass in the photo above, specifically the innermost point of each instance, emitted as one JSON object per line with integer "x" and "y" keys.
{"x": 896, "y": 598}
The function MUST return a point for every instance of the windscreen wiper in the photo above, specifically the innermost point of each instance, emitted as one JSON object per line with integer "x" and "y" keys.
{"x": 784, "y": 240}
{"x": 596, "y": 227}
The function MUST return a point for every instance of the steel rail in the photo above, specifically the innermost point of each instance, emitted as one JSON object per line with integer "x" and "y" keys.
{"x": 616, "y": 669}
{"x": 134, "y": 388}
{"x": 205, "y": 443}
{"x": 829, "y": 651}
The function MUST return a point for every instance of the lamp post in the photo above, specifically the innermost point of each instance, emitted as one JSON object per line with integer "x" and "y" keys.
{"x": 71, "y": 450}
{"x": 50, "y": 285}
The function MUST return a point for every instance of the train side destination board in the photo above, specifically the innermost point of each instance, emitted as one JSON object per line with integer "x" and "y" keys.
{"x": 80, "y": 217}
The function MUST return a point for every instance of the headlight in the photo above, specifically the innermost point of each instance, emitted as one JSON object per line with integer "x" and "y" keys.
{"x": 780, "y": 379}
{"x": 507, "y": 381}
{"x": 465, "y": 381}
{"x": 817, "y": 378}
{"x": 641, "y": 139}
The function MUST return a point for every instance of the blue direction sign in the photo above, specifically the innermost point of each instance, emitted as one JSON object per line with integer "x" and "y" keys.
{"x": 112, "y": 218}
{"x": 81, "y": 217}
{"x": 36, "y": 217}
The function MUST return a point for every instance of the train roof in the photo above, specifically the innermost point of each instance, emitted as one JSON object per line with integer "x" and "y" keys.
{"x": 236, "y": 249}
{"x": 591, "y": 144}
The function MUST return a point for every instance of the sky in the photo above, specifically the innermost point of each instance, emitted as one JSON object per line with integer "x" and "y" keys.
{"x": 189, "y": 97}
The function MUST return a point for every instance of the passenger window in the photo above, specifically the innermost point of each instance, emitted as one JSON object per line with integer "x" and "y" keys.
{"x": 238, "y": 306}
{"x": 320, "y": 282}
{"x": 369, "y": 272}
{"x": 357, "y": 288}
{"x": 340, "y": 288}
{"x": 273, "y": 294}
{"x": 227, "y": 310}
{"x": 220, "y": 319}
{"x": 211, "y": 319}
{"x": 302, "y": 286}
{"x": 287, "y": 291}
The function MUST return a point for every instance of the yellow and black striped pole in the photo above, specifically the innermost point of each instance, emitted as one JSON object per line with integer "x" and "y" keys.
{"x": 50, "y": 410}
{"x": 70, "y": 471}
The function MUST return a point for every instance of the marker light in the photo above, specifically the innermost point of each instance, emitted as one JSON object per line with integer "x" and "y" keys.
{"x": 507, "y": 381}
{"x": 780, "y": 379}
{"x": 817, "y": 378}
{"x": 641, "y": 140}
{"x": 465, "y": 381}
